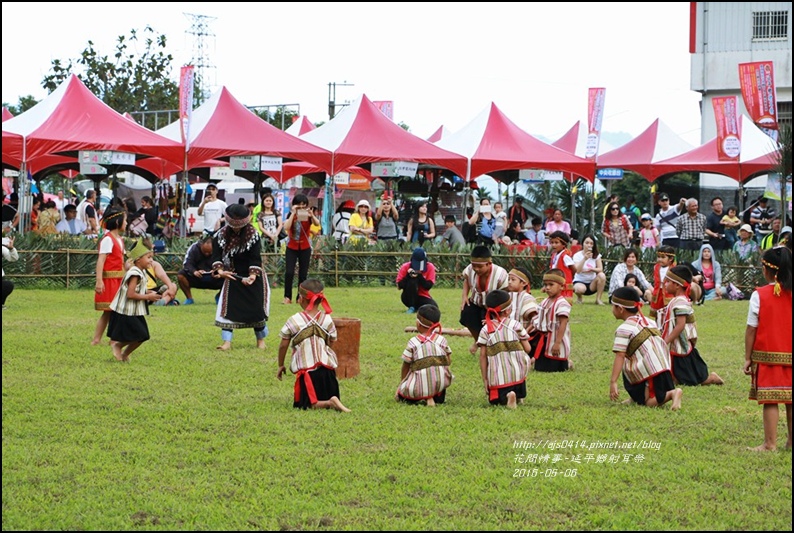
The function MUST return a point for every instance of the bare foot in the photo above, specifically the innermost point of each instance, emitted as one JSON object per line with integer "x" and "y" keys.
{"x": 762, "y": 448}
{"x": 627, "y": 402}
{"x": 431, "y": 402}
{"x": 287, "y": 301}
{"x": 94, "y": 342}
{"x": 570, "y": 364}
{"x": 116, "y": 347}
{"x": 599, "y": 302}
{"x": 226, "y": 346}
{"x": 579, "y": 300}
{"x": 713, "y": 379}
{"x": 260, "y": 343}
{"x": 677, "y": 394}
{"x": 337, "y": 404}
{"x": 521, "y": 401}
{"x": 511, "y": 400}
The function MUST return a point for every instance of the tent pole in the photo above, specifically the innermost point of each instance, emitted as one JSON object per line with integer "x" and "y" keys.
{"x": 183, "y": 201}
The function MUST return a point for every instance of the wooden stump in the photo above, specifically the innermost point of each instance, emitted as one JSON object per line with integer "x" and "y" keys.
{"x": 348, "y": 341}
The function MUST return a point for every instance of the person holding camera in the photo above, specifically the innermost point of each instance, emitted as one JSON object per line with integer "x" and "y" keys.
{"x": 415, "y": 278}
{"x": 299, "y": 247}
{"x": 196, "y": 271}
{"x": 485, "y": 221}
{"x": 386, "y": 218}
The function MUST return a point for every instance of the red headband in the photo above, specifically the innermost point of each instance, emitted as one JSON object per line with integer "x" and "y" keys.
{"x": 492, "y": 313}
{"x": 314, "y": 298}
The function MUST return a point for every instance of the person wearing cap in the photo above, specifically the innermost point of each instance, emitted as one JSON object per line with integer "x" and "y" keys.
{"x": 386, "y": 218}
{"x": 341, "y": 221}
{"x": 237, "y": 260}
{"x": 127, "y": 326}
{"x": 641, "y": 355}
{"x": 746, "y": 247}
{"x": 714, "y": 228}
{"x": 666, "y": 219}
{"x": 361, "y": 223}
{"x": 761, "y": 218}
{"x": 212, "y": 209}
{"x": 649, "y": 236}
{"x": 771, "y": 239}
{"x": 415, "y": 278}
{"x": 785, "y": 237}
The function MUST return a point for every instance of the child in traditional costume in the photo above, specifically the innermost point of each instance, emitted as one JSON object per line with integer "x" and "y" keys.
{"x": 767, "y": 351}
{"x": 313, "y": 362}
{"x": 425, "y": 373}
{"x": 562, "y": 259}
{"x": 641, "y": 355}
{"x": 554, "y": 347}
{"x": 110, "y": 267}
{"x": 480, "y": 277}
{"x": 504, "y": 344}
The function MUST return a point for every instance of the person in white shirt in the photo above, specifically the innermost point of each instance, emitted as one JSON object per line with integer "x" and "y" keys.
{"x": 212, "y": 209}
{"x": 60, "y": 203}
{"x": 70, "y": 223}
{"x": 589, "y": 278}
{"x": 666, "y": 219}
{"x": 535, "y": 233}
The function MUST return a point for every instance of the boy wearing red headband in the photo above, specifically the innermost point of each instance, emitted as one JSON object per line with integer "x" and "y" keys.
{"x": 314, "y": 363}
{"x": 479, "y": 278}
{"x": 554, "y": 346}
{"x": 641, "y": 355}
{"x": 425, "y": 372}
{"x": 504, "y": 344}
{"x": 680, "y": 332}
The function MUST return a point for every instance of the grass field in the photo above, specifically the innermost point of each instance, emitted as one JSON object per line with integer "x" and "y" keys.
{"x": 187, "y": 437}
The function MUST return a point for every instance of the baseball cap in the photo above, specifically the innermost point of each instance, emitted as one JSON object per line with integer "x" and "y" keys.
{"x": 785, "y": 229}
{"x": 211, "y": 186}
{"x": 419, "y": 260}
{"x": 646, "y": 216}
{"x": 362, "y": 202}
{"x": 747, "y": 228}
{"x": 663, "y": 196}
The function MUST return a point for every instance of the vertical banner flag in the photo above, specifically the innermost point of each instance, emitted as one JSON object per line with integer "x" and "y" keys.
{"x": 595, "y": 114}
{"x": 386, "y": 107}
{"x": 185, "y": 102}
{"x": 729, "y": 144}
{"x": 757, "y": 81}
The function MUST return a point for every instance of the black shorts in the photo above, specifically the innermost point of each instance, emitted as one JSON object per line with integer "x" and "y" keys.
{"x": 472, "y": 317}
{"x": 587, "y": 291}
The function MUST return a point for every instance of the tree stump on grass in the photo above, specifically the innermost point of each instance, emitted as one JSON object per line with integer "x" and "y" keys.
{"x": 348, "y": 341}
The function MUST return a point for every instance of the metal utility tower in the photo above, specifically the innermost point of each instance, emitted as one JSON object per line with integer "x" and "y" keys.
{"x": 332, "y": 105}
{"x": 205, "y": 70}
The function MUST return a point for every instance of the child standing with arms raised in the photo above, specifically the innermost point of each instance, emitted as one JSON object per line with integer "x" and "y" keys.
{"x": 641, "y": 355}
{"x": 127, "y": 326}
{"x": 680, "y": 332}
{"x": 504, "y": 344}
{"x": 313, "y": 361}
{"x": 110, "y": 267}
{"x": 480, "y": 277}
{"x": 425, "y": 373}
{"x": 767, "y": 344}
{"x": 554, "y": 347}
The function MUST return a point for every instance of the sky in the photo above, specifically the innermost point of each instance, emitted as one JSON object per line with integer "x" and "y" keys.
{"x": 441, "y": 64}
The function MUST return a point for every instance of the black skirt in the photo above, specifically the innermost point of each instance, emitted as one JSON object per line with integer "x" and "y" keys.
{"x": 123, "y": 328}
{"x": 472, "y": 316}
{"x": 543, "y": 363}
{"x": 325, "y": 385}
{"x": 660, "y": 385}
{"x": 690, "y": 369}
{"x": 520, "y": 390}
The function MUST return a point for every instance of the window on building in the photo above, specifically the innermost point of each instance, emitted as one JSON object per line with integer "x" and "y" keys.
{"x": 770, "y": 25}
{"x": 784, "y": 114}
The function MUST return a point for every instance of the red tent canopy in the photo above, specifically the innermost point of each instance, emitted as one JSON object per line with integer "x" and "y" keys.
{"x": 72, "y": 118}
{"x": 6, "y": 114}
{"x": 301, "y": 126}
{"x": 758, "y": 156}
{"x": 641, "y": 154}
{"x": 492, "y": 142}
{"x": 438, "y": 134}
{"x": 361, "y": 133}
{"x": 223, "y": 127}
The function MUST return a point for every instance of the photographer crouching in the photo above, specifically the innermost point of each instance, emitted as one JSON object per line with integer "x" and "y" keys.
{"x": 415, "y": 278}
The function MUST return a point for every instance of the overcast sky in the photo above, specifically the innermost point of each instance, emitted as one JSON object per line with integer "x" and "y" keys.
{"x": 441, "y": 64}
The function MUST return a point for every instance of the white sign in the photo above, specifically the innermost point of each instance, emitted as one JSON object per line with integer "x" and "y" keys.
{"x": 245, "y": 162}
{"x": 221, "y": 173}
{"x": 90, "y": 168}
{"x": 270, "y": 163}
{"x": 591, "y": 145}
{"x": 106, "y": 157}
{"x": 343, "y": 178}
{"x": 393, "y": 169}
{"x": 538, "y": 176}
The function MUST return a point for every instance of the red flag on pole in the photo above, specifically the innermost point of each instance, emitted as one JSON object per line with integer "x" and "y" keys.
{"x": 729, "y": 144}
{"x": 185, "y": 102}
{"x": 595, "y": 115}
{"x": 757, "y": 81}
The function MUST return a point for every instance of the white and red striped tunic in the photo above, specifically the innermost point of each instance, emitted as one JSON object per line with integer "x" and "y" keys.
{"x": 310, "y": 337}
{"x": 429, "y": 374}
{"x": 508, "y": 363}
{"x": 548, "y": 321}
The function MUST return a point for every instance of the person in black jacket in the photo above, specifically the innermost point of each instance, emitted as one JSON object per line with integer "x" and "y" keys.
{"x": 196, "y": 272}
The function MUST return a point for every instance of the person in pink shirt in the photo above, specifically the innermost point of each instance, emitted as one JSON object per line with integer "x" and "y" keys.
{"x": 557, "y": 223}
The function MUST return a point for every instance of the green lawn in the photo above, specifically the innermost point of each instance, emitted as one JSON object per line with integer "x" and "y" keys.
{"x": 187, "y": 437}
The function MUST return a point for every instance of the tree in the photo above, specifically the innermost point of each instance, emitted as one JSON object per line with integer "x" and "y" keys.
{"x": 25, "y": 103}
{"x": 127, "y": 81}
{"x": 281, "y": 117}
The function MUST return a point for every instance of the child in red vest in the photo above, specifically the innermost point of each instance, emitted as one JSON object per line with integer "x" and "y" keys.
{"x": 767, "y": 352}
{"x": 562, "y": 259}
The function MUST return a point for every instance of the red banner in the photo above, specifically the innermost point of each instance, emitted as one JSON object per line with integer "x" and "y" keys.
{"x": 185, "y": 102}
{"x": 757, "y": 81}
{"x": 729, "y": 144}
{"x": 595, "y": 114}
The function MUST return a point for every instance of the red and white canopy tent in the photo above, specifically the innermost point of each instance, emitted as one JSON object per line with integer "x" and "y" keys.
{"x": 7, "y": 114}
{"x": 641, "y": 155}
{"x": 300, "y": 126}
{"x": 441, "y": 132}
{"x": 574, "y": 141}
{"x": 758, "y": 156}
{"x": 493, "y": 144}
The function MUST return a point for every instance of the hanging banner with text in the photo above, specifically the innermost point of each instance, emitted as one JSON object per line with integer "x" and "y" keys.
{"x": 757, "y": 81}
{"x": 595, "y": 116}
{"x": 185, "y": 103}
{"x": 729, "y": 144}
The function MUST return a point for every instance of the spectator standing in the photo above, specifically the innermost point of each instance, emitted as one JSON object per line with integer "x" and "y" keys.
{"x": 212, "y": 209}
{"x": 299, "y": 246}
{"x": 341, "y": 221}
{"x": 632, "y": 212}
{"x": 86, "y": 211}
{"x": 649, "y": 236}
{"x": 771, "y": 239}
{"x": 386, "y": 217}
{"x": 60, "y": 202}
{"x": 746, "y": 246}
{"x": 714, "y": 228}
{"x": 149, "y": 212}
{"x": 268, "y": 222}
{"x": 421, "y": 227}
{"x": 10, "y": 213}
{"x": 617, "y": 228}
{"x": 10, "y": 255}
{"x": 485, "y": 221}
{"x": 761, "y": 218}
{"x": 666, "y": 219}
{"x": 691, "y": 227}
